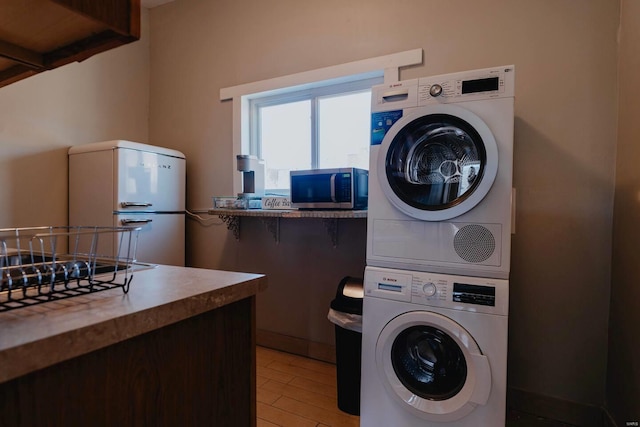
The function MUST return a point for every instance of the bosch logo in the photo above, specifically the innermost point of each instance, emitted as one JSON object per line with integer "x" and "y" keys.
{"x": 389, "y": 279}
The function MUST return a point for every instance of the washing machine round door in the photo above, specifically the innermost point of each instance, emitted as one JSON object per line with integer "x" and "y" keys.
{"x": 437, "y": 162}
{"x": 432, "y": 366}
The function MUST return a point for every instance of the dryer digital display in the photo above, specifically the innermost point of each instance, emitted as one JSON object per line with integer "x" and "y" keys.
{"x": 480, "y": 85}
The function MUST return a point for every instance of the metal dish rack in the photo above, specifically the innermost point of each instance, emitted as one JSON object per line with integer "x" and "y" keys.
{"x": 41, "y": 264}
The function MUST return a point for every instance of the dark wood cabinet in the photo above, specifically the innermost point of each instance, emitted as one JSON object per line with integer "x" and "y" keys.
{"x": 178, "y": 349}
{"x": 196, "y": 372}
{"x": 40, "y": 35}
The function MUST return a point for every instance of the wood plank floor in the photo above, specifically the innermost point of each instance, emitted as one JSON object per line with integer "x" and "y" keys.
{"x": 294, "y": 391}
{"x": 298, "y": 392}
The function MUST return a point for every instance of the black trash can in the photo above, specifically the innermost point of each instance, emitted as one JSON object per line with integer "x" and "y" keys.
{"x": 346, "y": 314}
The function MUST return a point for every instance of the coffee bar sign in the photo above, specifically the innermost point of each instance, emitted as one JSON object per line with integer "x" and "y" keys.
{"x": 276, "y": 203}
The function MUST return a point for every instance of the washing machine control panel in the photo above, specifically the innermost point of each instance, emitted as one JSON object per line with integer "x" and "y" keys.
{"x": 429, "y": 288}
{"x": 438, "y": 290}
{"x": 388, "y": 284}
{"x": 450, "y": 288}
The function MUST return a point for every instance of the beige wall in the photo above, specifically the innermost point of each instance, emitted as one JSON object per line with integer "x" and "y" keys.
{"x": 104, "y": 97}
{"x": 565, "y": 53}
{"x": 623, "y": 375}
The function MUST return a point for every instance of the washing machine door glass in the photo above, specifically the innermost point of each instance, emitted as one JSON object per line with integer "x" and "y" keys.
{"x": 428, "y": 362}
{"x": 438, "y": 162}
{"x": 432, "y": 366}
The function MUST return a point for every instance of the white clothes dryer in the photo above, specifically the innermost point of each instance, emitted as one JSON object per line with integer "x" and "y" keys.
{"x": 441, "y": 160}
{"x": 434, "y": 350}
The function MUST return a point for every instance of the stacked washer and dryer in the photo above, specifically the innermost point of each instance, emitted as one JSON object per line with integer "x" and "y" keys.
{"x": 435, "y": 308}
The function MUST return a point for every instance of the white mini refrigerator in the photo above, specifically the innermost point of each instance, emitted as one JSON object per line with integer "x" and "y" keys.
{"x": 123, "y": 183}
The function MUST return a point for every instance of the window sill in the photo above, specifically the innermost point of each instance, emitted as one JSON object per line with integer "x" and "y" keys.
{"x": 271, "y": 219}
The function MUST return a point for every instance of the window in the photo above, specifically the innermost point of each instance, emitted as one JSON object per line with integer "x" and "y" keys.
{"x": 325, "y": 127}
{"x": 279, "y": 94}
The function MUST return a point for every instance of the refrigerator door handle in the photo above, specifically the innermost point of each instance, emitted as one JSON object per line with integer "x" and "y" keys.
{"x": 136, "y": 205}
{"x": 128, "y": 221}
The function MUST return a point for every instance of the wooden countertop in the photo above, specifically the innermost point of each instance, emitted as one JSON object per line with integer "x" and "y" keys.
{"x": 36, "y": 337}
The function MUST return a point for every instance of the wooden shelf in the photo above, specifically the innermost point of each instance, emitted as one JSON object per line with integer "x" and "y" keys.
{"x": 271, "y": 219}
{"x": 40, "y": 35}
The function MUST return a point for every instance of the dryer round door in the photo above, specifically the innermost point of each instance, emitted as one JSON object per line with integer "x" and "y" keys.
{"x": 432, "y": 366}
{"x": 437, "y": 162}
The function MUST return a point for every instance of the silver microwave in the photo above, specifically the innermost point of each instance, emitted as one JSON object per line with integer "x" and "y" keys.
{"x": 343, "y": 188}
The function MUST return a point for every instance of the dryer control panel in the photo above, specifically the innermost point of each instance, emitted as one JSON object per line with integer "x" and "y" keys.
{"x": 438, "y": 290}
{"x": 495, "y": 82}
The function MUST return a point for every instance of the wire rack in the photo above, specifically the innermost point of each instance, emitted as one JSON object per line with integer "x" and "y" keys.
{"x": 41, "y": 264}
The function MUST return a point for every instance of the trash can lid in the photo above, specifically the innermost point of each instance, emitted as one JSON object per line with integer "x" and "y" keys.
{"x": 349, "y": 296}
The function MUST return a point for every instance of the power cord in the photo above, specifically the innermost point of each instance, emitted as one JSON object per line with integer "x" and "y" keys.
{"x": 213, "y": 220}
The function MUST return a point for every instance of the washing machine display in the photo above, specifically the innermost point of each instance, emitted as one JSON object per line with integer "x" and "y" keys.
{"x": 434, "y": 349}
{"x": 441, "y": 159}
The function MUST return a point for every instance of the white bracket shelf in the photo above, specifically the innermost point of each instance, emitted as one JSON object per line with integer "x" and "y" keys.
{"x": 271, "y": 219}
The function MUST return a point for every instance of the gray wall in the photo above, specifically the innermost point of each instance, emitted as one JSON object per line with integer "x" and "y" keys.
{"x": 623, "y": 374}
{"x": 565, "y": 54}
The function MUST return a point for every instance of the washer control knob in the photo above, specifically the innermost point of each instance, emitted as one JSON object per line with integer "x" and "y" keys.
{"x": 429, "y": 289}
{"x": 435, "y": 90}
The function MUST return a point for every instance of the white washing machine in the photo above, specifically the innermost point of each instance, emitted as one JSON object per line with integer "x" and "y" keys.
{"x": 434, "y": 350}
{"x": 440, "y": 186}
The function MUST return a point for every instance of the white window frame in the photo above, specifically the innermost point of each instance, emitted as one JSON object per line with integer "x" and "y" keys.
{"x": 387, "y": 66}
{"x": 311, "y": 94}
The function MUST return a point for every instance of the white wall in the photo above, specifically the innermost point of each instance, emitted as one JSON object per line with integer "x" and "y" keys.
{"x": 104, "y": 97}
{"x": 565, "y": 54}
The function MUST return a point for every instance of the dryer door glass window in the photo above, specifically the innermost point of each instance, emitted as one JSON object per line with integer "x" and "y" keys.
{"x": 428, "y": 362}
{"x": 435, "y": 162}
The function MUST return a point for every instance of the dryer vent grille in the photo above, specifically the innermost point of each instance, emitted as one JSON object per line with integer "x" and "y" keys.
{"x": 474, "y": 243}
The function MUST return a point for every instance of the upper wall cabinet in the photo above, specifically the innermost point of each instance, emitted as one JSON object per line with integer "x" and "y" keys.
{"x": 40, "y": 35}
